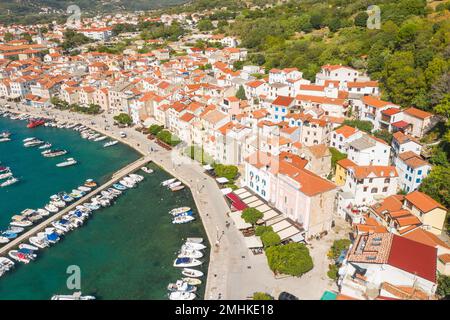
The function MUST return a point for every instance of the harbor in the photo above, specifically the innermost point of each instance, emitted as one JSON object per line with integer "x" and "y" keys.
{"x": 116, "y": 176}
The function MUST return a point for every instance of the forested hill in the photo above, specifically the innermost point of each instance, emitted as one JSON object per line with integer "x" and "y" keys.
{"x": 28, "y": 11}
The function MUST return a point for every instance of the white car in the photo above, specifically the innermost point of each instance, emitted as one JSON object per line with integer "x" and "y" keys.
{"x": 122, "y": 134}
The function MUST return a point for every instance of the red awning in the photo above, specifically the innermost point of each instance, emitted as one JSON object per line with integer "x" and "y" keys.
{"x": 236, "y": 202}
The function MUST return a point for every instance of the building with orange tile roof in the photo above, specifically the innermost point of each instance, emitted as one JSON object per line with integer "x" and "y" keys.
{"x": 299, "y": 194}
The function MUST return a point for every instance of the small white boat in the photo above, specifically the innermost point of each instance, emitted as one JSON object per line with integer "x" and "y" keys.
{"x": 175, "y": 184}
{"x": 84, "y": 188}
{"x": 190, "y": 254}
{"x": 6, "y": 175}
{"x": 67, "y": 163}
{"x": 186, "y": 262}
{"x": 9, "y": 182}
{"x": 43, "y": 212}
{"x": 192, "y": 281}
{"x": 28, "y": 246}
{"x": 51, "y": 208}
{"x": 74, "y": 296}
{"x": 194, "y": 240}
{"x": 182, "y": 219}
{"x": 23, "y": 223}
{"x": 3, "y": 240}
{"x": 177, "y": 188}
{"x": 194, "y": 246}
{"x": 40, "y": 242}
{"x": 46, "y": 146}
{"x": 5, "y": 139}
{"x": 192, "y": 273}
{"x": 147, "y": 170}
{"x": 168, "y": 182}
{"x": 29, "y": 139}
{"x": 178, "y": 295}
{"x": 110, "y": 144}
{"x": 179, "y": 210}
{"x": 100, "y": 138}
{"x": 182, "y": 286}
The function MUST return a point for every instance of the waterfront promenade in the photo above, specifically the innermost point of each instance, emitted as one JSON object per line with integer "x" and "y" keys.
{"x": 234, "y": 272}
{"x": 44, "y": 224}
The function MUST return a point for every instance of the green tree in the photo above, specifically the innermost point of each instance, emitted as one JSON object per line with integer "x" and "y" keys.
{"x": 384, "y": 135}
{"x": 240, "y": 94}
{"x": 205, "y": 25}
{"x": 229, "y": 172}
{"x": 337, "y": 247}
{"x": 362, "y": 125}
{"x": 443, "y": 289}
{"x": 437, "y": 185}
{"x": 361, "y": 19}
{"x": 260, "y": 230}
{"x": 8, "y": 37}
{"x": 262, "y": 296}
{"x": 155, "y": 129}
{"x": 336, "y": 156}
{"x": 251, "y": 215}
{"x": 270, "y": 239}
{"x": 333, "y": 272}
{"x": 123, "y": 118}
{"x": 291, "y": 259}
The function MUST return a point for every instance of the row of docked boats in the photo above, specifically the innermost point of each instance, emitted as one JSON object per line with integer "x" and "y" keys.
{"x": 182, "y": 215}
{"x": 173, "y": 184}
{"x": 187, "y": 258}
{"x": 89, "y": 134}
{"x": 7, "y": 177}
{"x": 29, "y": 217}
{"x": 75, "y": 218}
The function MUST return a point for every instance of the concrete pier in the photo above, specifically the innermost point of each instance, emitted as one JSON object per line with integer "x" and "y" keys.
{"x": 44, "y": 224}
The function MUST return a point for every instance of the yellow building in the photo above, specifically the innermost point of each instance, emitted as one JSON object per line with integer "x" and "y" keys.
{"x": 341, "y": 171}
{"x": 430, "y": 212}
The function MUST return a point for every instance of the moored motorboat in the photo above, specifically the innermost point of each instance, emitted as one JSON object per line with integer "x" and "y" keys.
{"x": 67, "y": 163}
{"x": 186, "y": 262}
{"x": 192, "y": 281}
{"x": 6, "y": 175}
{"x": 179, "y": 210}
{"x": 183, "y": 219}
{"x": 90, "y": 183}
{"x": 110, "y": 144}
{"x": 9, "y": 182}
{"x": 174, "y": 184}
{"x": 45, "y": 146}
{"x": 178, "y": 188}
{"x": 194, "y": 246}
{"x": 178, "y": 295}
{"x": 167, "y": 182}
{"x": 54, "y": 153}
{"x": 119, "y": 187}
{"x": 190, "y": 254}
{"x": 192, "y": 273}
{"x": 74, "y": 296}
{"x": 181, "y": 286}
{"x": 19, "y": 256}
{"x": 194, "y": 240}
{"x": 28, "y": 247}
{"x": 147, "y": 170}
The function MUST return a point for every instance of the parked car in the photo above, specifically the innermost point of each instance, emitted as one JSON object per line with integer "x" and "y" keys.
{"x": 122, "y": 134}
{"x": 287, "y": 296}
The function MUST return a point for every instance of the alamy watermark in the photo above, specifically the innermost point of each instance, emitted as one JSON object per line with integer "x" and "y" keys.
{"x": 73, "y": 281}
{"x": 74, "y": 20}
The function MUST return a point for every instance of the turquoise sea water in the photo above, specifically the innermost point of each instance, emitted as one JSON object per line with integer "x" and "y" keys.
{"x": 125, "y": 251}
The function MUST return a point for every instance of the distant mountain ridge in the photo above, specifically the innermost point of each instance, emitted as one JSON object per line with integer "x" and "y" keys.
{"x": 20, "y": 8}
